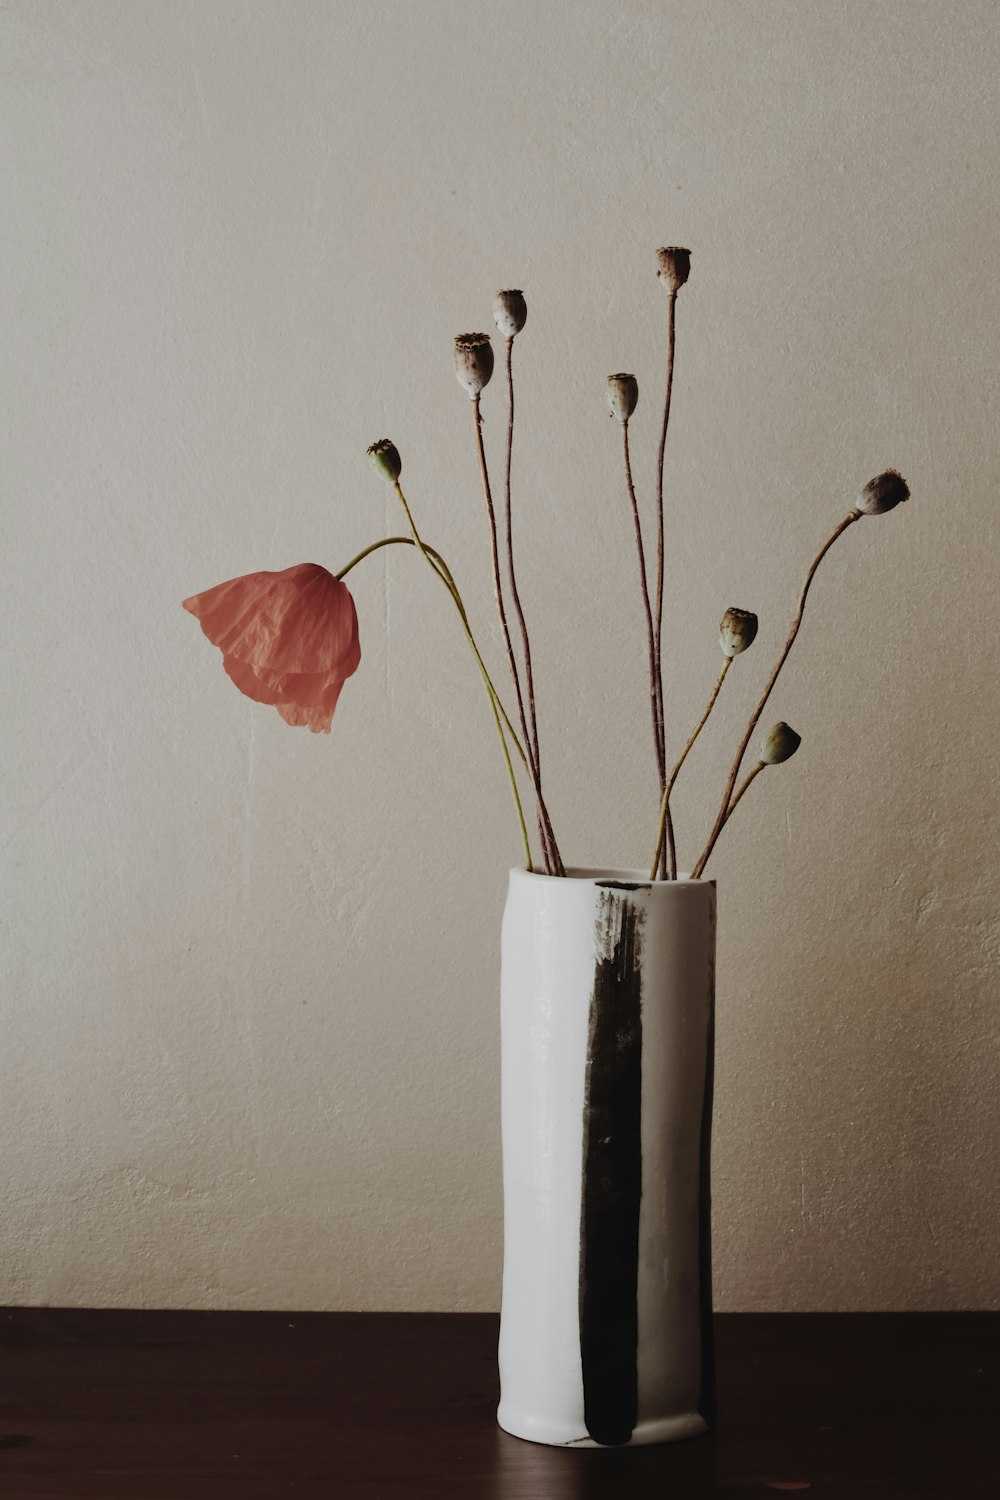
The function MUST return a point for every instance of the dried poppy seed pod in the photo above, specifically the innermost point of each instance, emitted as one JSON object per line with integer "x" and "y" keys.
{"x": 883, "y": 493}
{"x": 673, "y": 266}
{"x": 737, "y": 631}
{"x": 385, "y": 460}
{"x": 781, "y": 744}
{"x": 510, "y": 312}
{"x": 473, "y": 362}
{"x": 623, "y": 396}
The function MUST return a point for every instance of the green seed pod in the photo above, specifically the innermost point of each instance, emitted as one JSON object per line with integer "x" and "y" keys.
{"x": 737, "y": 631}
{"x": 623, "y": 395}
{"x": 781, "y": 744}
{"x": 883, "y": 493}
{"x": 510, "y": 312}
{"x": 673, "y": 266}
{"x": 473, "y": 362}
{"x": 385, "y": 460}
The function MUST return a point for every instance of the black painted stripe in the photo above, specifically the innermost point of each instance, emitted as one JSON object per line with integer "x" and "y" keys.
{"x": 612, "y": 1178}
{"x": 706, "y": 1392}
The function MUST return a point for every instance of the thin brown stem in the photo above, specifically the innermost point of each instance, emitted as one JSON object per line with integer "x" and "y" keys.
{"x": 668, "y": 860}
{"x": 528, "y": 674}
{"x": 665, "y": 804}
{"x": 660, "y": 559}
{"x": 654, "y": 690}
{"x": 554, "y": 865}
{"x": 849, "y": 519}
{"x": 647, "y": 606}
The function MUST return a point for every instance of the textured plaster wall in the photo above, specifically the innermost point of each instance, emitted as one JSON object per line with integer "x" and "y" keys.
{"x": 249, "y": 1004}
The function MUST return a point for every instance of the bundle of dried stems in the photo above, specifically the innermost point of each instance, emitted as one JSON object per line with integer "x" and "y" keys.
{"x": 290, "y": 639}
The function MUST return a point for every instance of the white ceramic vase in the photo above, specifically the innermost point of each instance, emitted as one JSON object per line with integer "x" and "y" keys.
{"x": 607, "y": 1025}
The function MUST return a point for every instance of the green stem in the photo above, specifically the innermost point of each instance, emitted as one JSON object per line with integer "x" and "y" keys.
{"x": 751, "y": 776}
{"x": 442, "y": 571}
{"x": 665, "y": 804}
{"x": 754, "y": 773}
{"x": 386, "y": 541}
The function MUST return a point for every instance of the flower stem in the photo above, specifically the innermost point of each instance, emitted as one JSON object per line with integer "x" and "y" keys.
{"x": 513, "y": 784}
{"x": 529, "y": 676}
{"x": 445, "y": 575}
{"x": 671, "y": 343}
{"x": 751, "y": 776}
{"x": 553, "y": 862}
{"x": 654, "y": 694}
{"x": 724, "y": 809}
{"x": 665, "y": 804}
{"x": 385, "y": 541}
{"x": 732, "y": 806}
{"x": 439, "y": 567}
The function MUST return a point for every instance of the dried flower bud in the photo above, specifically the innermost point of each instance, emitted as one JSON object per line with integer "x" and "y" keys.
{"x": 737, "y": 631}
{"x": 674, "y": 266}
{"x": 385, "y": 460}
{"x": 473, "y": 361}
{"x": 510, "y": 312}
{"x": 780, "y": 744}
{"x": 883, "y": 493}
{"x": 623, "y": 395}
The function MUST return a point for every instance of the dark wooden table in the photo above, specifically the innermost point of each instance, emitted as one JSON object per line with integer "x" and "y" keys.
{"x": 348, "y": 1406}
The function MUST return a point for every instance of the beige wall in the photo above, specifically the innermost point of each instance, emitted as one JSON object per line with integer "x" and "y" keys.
{"x": 249, "y": 992}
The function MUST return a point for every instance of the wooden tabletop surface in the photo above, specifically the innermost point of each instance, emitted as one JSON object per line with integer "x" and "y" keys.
{"x": 350, "y": 1406}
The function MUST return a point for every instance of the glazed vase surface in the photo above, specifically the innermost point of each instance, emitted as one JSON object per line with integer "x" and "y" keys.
{"x": 607, "y": 1039}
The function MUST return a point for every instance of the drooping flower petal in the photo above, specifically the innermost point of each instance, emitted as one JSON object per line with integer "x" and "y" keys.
{"x": 318, "y": 718}
{"x": 307, "y": 688}
{"x": 288, "y": 639}
{"x": 299, "y": 620}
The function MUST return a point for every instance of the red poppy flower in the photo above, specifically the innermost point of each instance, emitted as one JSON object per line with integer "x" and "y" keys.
{"x": 289, "y": 639}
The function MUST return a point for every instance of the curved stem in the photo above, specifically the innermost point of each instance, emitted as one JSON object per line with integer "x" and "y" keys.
{"x": 732, "y": 806}
{"x": 445, "y": 575}
{"x": 513, "y": 783}
{"x": 528, "y": 674}
{"x": 386, "y": 541}
{"x": 849, "y": 519}
{"x": 654, "y": 689}
{"x": 440, "y": 568}
{"x": 665, "y": 804}
{"x": 554, "y": 865}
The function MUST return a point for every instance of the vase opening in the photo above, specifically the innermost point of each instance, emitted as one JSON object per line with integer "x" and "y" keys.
{"x": 596, "y": 874}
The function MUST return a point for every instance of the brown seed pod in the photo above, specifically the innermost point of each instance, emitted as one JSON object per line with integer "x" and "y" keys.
{"x": 737, "y": 631}
{"x": 883, "y": 493}
{"x": 510, "y": 312}
{"x": 673, "y": 266}
{"x": 473, "y": 362}
{"x": 623, "y": 394}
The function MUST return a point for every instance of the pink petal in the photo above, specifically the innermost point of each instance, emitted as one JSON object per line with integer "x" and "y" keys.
{"x": 317, "y": 718}
{"x": 301, "y": 620}
{"x": 308, "y": 689}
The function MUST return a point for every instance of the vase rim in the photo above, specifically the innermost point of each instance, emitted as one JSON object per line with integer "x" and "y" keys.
{"x": 601, "y": 874}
